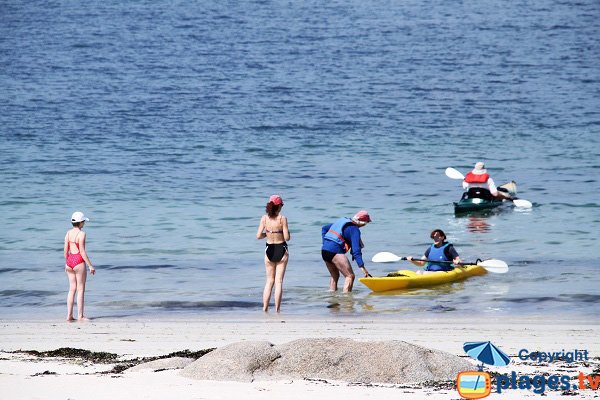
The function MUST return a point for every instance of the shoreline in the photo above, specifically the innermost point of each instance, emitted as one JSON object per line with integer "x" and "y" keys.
{"x": 169, "y": 334}
{"x": 257, "y": 315}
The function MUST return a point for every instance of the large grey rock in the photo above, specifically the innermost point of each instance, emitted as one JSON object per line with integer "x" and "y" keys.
{"x": 352, "y": 361}
{"x": 235, "y": 362}
{"x": 328, "y": 358}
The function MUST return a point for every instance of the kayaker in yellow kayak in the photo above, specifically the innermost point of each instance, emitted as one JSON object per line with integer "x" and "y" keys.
{"x": 440, "y": 250}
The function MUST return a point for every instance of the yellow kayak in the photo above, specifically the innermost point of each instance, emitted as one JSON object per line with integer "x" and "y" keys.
{"x": 405, "y": 279}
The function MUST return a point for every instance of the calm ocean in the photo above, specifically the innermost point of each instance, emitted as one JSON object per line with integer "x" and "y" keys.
{"x": 170, "y": 124}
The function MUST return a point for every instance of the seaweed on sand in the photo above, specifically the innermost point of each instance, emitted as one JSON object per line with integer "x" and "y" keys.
{"x": 102, "y": 357}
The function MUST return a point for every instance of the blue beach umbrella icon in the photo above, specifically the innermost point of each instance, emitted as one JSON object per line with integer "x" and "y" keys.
{"x": 487, "y": 353}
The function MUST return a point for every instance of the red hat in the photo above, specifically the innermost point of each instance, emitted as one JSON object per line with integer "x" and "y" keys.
{"x": 276, "y": 199}
{"x": 363, "y": 216}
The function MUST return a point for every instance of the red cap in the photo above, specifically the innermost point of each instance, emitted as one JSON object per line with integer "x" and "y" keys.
{"x": 276, "y": 199}
{"x": 362, "y": 215}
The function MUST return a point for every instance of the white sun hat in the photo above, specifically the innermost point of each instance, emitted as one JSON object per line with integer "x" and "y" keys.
{"x": 479, "y": 168}
{"x": 78, "y": 217}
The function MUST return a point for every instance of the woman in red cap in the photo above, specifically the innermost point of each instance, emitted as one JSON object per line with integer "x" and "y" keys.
{"x": 338, "y": 238}
{"x": 274, "y": 227}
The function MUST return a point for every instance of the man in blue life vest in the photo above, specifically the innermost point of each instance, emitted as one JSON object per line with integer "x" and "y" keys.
{"x": 338, "y": 238}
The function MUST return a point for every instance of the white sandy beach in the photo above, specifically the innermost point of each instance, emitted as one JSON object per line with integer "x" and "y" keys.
{"x": 27, "y": 377}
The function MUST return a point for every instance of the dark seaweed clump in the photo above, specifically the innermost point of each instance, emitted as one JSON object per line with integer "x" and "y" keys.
{"x": 140, "y": 360}
{"x": 101, "y": 357}
{"x": 440, "y": 385}
{"x": 45, "y": 373}
{"x": 69, "y": 352}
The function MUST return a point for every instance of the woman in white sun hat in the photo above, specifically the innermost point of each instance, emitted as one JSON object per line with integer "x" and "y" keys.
{"x": 75, "y": 260}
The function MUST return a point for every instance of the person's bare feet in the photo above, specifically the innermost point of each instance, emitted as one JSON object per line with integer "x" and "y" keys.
{"x": 83, "y": 319}
{"x": 70, "y": 319}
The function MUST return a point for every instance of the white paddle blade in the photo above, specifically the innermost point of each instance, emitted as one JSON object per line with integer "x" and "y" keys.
{"x": 385, "y": 257}
{"x": 454, "y": 174}
{"x": 495, "y": 266}
{"x": 522, "y": 203}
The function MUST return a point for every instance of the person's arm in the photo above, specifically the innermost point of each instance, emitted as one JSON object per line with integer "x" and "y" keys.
{"x": 286, "y": 231}
{"x": 261, "y": 234}
{"x": 324, "y": 230}
{"x": 352, "y": 232}
{"x": 66, "y": 249}
{"x": 84, "y": 253}
{"x": 422, "y": 261}
{"x": 465, "y": 185}
{"x": 492, "y": 187}
{"x": 418, "y": 263}
{"x": 365, "y": 271}
{"x": 452, "y": 254}
{"x": 355, "y": 244}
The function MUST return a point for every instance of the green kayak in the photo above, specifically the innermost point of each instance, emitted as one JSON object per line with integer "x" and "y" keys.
{"x": 477, "y": 199}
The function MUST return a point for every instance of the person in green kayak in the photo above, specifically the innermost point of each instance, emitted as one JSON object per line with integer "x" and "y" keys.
{"x": 338, "y": 238}
{"x": 440, "y": 250}
{"x": 478, "y": 183}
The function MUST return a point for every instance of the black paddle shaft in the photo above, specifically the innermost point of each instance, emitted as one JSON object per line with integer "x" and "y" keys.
{"x": 444, "y": 262}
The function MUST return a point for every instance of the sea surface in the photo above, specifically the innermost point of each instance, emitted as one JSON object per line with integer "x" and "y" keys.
{"x": 170, "y": 123}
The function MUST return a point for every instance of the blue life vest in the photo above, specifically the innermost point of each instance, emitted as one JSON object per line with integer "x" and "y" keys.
{"x": 438, "y": 254}
{"x": 335, "y": 233}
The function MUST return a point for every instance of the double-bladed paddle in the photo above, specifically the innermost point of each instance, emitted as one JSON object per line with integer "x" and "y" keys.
{"x": 455, "y": 174}
{"x": 492, "y": 265}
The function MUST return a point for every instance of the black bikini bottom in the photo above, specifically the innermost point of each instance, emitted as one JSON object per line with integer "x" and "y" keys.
{"x": 276, "y": 251}
{"x": 327, "y": 255}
